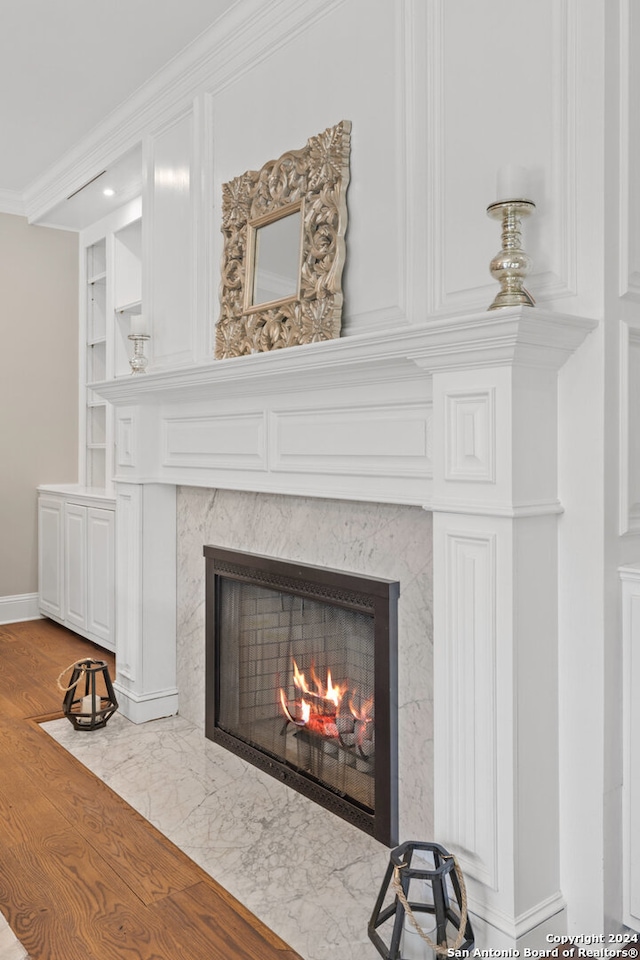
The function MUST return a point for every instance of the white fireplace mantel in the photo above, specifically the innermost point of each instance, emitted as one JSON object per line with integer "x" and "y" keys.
{"x": 351, "y": 418}
{"x": 523, "y": 335}
{"x": 458, "y": 415}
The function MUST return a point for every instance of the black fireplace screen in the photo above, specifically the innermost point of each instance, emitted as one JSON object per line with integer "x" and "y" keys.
{"x": 301, "y": 680}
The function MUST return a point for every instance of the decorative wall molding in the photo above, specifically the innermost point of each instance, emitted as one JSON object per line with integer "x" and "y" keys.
{"x": 126, "y": 441}
{"x": 128, "y": 582}
{"x": 525, "y": 922}
{"x": 168, "y": 233}
{"x": 18, "y": 608}
{"x": 561, "y": 204}
{"x": 389, "y": 440}
{"x": 470, "y": 438}
{"x": 466, "y": 707}
{"x": 629, "y": 139}
{"x": 629, "y": 404}
{"x": 630, "y": 578}
{"x": 224, "y": 441}
{"x": 507, "y": 509}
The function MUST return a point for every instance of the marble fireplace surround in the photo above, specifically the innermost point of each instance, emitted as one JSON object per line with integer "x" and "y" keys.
{"x": 373, "y": 454}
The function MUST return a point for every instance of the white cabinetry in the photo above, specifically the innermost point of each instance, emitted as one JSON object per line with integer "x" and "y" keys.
{"x": 51, "y": 556}
{"x": 77, "y": 561}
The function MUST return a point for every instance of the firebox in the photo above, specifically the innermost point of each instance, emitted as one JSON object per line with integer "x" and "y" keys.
{"x": 301, "y": 680}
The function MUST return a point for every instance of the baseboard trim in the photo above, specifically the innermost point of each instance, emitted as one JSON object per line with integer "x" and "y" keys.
{"x": 19, "y": 608}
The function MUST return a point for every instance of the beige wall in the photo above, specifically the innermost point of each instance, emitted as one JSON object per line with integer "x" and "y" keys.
{"x": 38, "y": 385}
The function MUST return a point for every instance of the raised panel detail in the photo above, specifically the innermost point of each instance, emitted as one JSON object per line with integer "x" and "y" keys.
{"x": 75, "y": 518}
{"x": 171, "y": 254}
{"x": 394, "y": 440}
{"x": 224, "y": 442}
{"x": 100, "y": 573}
{"x": 51, "y": 557}
{"x": 128, "y": 579}
{"x": 466, "y": 706}
{"x": 631, "y": 745}
{"x": 470, "y": 436}
{"x": 630, "y": 428}
{"x": 125, "y": 442}
{"x": 629, "y": 193}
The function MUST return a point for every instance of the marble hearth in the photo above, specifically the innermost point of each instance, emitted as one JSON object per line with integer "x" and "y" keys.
{"x": 375, "y": 453}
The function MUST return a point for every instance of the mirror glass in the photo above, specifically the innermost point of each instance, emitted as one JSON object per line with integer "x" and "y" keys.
{"x": 276, "y": 273}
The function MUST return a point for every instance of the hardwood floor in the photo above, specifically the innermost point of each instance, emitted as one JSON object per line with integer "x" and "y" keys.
{"x": 82, "y": 875}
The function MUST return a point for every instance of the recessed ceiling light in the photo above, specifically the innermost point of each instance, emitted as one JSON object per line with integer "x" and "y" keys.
{"x": 108, "y": 192}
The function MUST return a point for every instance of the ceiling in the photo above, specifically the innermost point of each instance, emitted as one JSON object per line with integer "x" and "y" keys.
{"x": 66, "y": 64}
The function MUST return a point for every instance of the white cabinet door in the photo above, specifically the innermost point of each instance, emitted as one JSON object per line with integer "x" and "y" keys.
{"x": 51, "y": 557}
{"x": 75, "y": 565}
{"x": 100, "y": 574}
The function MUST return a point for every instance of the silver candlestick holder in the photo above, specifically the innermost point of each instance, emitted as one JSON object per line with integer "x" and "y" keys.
{"x": 138, "y": 361}
{"x": 511, "y": 265}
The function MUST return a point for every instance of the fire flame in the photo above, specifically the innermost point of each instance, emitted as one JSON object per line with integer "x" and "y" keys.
{"x": 365, "y": 713}
{"x": 319, "y": 705}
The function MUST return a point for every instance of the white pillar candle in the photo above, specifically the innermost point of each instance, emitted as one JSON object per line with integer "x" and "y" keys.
{"x": 87, "y": 704}
{"x": 139, "y": 325}
{"x": 513, "y": 183}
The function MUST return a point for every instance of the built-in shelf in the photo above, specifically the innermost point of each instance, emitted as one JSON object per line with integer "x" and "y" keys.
{"x": 95, "y": 339}
{"x": 134, "y": 307}
{"x": 127, "y": 290}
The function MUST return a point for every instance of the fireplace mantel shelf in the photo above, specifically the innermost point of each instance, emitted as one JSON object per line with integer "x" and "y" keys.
{"x": 418, "y": 415}
{"x": 523, "y": 335}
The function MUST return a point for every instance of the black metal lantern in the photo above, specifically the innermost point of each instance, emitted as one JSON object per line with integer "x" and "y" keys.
{"x": 430, "y": 903}
{"x": 89, "y": 699}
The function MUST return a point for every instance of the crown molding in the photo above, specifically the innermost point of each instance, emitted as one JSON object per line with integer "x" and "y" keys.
{"x": 12, "y": 202}
{"x": 246, "y": 34}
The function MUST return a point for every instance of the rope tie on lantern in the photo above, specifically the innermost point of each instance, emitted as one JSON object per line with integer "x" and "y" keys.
{"x": 83, "y": 668}
{"x": 439, "y": 950}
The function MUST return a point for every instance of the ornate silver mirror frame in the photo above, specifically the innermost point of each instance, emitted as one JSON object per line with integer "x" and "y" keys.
{"x": 313, "y": 182}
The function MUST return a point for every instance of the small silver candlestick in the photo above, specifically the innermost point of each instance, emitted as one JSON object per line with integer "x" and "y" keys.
{"x": 138, "y": 361}
{"x": 512, "y": 264}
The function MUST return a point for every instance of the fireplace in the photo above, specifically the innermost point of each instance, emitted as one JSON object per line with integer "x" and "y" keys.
{"x": 301, "y": 680}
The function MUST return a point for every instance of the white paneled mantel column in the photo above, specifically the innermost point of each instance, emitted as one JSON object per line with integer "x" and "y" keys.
{"x": 458, "y": 415}
{"x": 495, "y": 655}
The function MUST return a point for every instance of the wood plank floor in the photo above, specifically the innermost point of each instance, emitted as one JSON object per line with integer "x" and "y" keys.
{"x": 82, "y": 875}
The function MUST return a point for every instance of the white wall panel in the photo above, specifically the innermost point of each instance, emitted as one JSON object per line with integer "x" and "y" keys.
{"x": 629, "y": 190}
{"x": 170, "y": 292}
{"x": 225, "y": 441}
{"x": 266, "y": 112}
{"x": 125, "y": 441}
{"x": 631, "y": 741}
{"x": 471, "y": 436}
{"x": 382, "y": 441}
{"x": 508, "y": 99}
{"x": 629, "y": 428}
{"x": 466, "y": 717}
